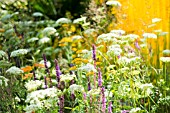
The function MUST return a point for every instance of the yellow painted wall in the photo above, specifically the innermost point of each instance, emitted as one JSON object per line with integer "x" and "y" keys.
{"x": 135, "y": 16}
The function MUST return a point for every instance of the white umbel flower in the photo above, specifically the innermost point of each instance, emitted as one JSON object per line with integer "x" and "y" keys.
{"x": 113, "y": 3}
{"x": 150, "y": 35}
{"x": 19, "y": 52}
{"x": 14, "y": 70}
{"x": 165, "y": 59}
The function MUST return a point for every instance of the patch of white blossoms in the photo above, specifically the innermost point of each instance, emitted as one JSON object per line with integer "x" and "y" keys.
{"x": 33, "y": 85}
{"x": 39, "y": 99}
{"x": 150, "y": 35}
{"x": 44, "y": 40}
{"x": 14, "y": 71}
{"x": 3, "y": 81}
{"x": 19, "y": 52}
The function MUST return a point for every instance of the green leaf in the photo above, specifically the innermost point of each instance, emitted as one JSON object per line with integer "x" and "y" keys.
{"x": 4, "y": 64}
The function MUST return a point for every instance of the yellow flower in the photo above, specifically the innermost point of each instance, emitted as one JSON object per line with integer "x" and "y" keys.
{"x": 90, "y": 73}
{"x": 79, "y": 51}
{"x": 73, "y": 56}
{"x": 77, "y": 59}
{"x": 98, "y": 63}
{"x": 73, "y": 28}
{"x": 73, "y": 45}
{"x": 85, "y": 60}
{"x": 39, "y": 65}
{"x": 29, "y": 75}
{"x": 27, "y": 69}
{"x": 73, "y": 68}
{"x": 62, "y": 44}
{"x": 74, "y": 49}
{"x": 65, "y": 39}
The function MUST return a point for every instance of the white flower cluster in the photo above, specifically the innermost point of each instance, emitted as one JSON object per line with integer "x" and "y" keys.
{"x": 150, "y": 35}
{"x": 135, "y": 110}
{"x": 49, "y": 31}
{"x": 165, "y": 59}
{"x": 2, "y": 54}
{"x": 108, "y": 37}
{"x": 33, "y": 39}
{"x": 33, "y": 85}
{"x": 3, "y": 81}
{"x": 39, "y": 99}
{"x": 14, "y": 71}
{"x": 37, "y": 14}
{"x": 76, "y": 37}
{"x": 119, "y": 32}
{"x": 61, "y": 21}
{"x": 114, "y": 50}
{"x": 75, "y": 87}
{"x": 89, "y": 32}
{"x": 113, "y": 3}
{"x": 125, "y": 60}
{"x": 44, "y": 40}
{"x": 67, "y": 77}
{"x": 80, "y": 20}
{"x": 19, "y": 52}
{"x": 88, "y": 67}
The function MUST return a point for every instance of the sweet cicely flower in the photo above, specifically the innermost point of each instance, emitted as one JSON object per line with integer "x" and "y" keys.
{"x": 165, "y": 59}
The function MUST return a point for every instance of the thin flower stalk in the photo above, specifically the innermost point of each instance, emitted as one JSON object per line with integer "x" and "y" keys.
{"x": 94, "y": 59}
{"x": 58, "y": 72}
{"x": 103, "y": 100}
{"x": 45, "y": 82}
{"x": 110, "y": 107}
{"x": 99, "y": 78}
{"x": 61, "y": 104}
{"x": 45, "y": 63}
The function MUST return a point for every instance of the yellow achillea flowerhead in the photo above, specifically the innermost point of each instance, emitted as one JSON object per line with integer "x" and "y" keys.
{"x": 27, "y": 69}
{"x": 65, "y": 39}
{"x": 74, "y": 56}
{"x": 85, "y": 60}
{"x": 72, "y": 68}
{"x": 79, "y": 51}
{"x": 90, "y": 73}
{"x": 77, "y": 59}
{"x": 62, "y": 44}
{"x": 74, "y": 49}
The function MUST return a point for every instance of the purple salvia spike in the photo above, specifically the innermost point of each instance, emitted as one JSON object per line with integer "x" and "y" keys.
{"x": 45, "y": 82}
{"x": 99, "y": 78}
{"x": 45, "y": 63}
{"x": 84, "y": 96}
{"x": 94, "y": 52}
{"x": 89, "y": 86}
{"x": 72, "y": 96}
{"x": 137, "y": 45}
{"x": 119, "y": 56}
{"x": 61, "y": 104}
{"x": 110, "y": 107}
{"x": 103, "y": 100}
{"x": 58, "y": 72}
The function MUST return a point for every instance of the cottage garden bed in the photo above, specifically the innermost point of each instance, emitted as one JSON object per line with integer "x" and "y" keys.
{"x": 51, "y": 66}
